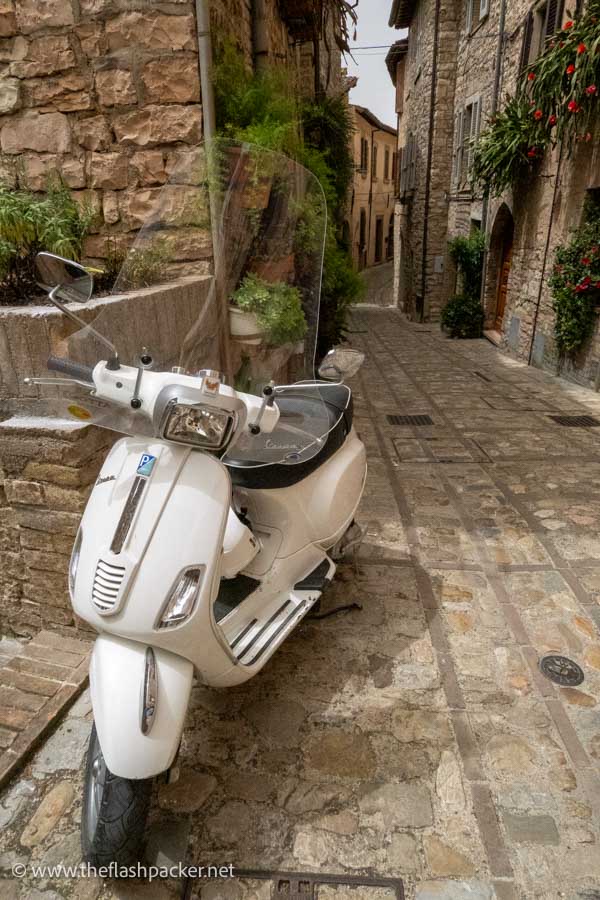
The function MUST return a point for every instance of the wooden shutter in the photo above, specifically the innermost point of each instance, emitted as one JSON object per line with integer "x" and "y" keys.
{"x": 526, "y": 45}
{"x": 474, "y": 131}
{"x": 460, "y": 119}
{"x": 554, "y": 15}
{"x": 412, "y": 179}
{"x": 403, "y": 165}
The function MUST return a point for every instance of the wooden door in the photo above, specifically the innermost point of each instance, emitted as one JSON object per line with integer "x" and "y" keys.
{"x": 503, "y": 285}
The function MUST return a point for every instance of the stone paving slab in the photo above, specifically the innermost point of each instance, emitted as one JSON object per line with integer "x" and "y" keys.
{"x": 39, "y": 679}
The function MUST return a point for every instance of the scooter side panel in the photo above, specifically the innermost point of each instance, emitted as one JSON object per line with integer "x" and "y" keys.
{"x": 116, "y": 680}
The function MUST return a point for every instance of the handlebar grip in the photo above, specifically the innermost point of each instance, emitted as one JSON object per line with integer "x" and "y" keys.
{"x": 72, "y": 369}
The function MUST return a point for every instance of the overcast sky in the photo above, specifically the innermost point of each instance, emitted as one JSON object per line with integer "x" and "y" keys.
{"x": 375, "y": 89}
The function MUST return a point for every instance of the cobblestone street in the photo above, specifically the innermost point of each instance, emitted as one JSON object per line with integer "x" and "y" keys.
{"x": 416, "y": 738}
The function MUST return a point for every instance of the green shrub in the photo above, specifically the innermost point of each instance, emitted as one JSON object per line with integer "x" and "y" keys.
{"x": 467, "y": 255}
{"x": 30, "y": 223}
{"x": 278, "y": 308}
{"x": 131, "y": 269}
{"x": 462, "y": 317}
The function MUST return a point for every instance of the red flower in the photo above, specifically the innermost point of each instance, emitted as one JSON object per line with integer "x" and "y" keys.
{"x": 568, "y": 25}
{"x": 579, "y": 288}
{"x": 585, "y": 261}
{"x": 591, "y": 90}
{"x": 531, "y": 76}
{"x": 538, "y": 114}
{"x": 581, "y": 48}
{"x": 532, "y": 152}
{"x": 573, "y": 106}
{"x": 586, "y": 280}
{"x": 570, "y": 69}
{"x": 552, "y": 120}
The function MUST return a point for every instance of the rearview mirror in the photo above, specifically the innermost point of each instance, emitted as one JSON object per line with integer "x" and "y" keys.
{"x": 341, "y": 363}
{"x": 65, "y": 279}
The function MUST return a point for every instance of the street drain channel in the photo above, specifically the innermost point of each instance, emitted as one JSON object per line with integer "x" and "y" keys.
{"x": 416, "y": 421}
{"x": 305, "y": 885}
{"x": 561, "y": 670}
{"x": 576, "y": 421}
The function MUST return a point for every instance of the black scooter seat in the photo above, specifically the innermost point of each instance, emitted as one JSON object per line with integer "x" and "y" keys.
{"x": 337, "y": 401}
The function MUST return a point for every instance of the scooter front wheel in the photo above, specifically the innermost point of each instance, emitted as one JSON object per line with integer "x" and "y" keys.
{"x": 115, "y": 810}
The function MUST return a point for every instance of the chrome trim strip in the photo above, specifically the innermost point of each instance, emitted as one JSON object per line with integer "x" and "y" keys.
{"x": 243, "y": 633}
{"x": 149, "y": 693}
{"x": 258, "y": 634}
{"x": 129, "y": 510}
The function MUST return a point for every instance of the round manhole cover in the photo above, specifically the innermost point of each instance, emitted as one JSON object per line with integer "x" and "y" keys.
{"x": 562, "y": 670}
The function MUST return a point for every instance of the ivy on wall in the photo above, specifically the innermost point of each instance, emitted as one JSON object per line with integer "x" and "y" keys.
{"x": 556, "y": 100}
{"x": 575, "y": 284}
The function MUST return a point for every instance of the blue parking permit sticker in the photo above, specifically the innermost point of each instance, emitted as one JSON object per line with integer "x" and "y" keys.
{"x": 146, "y": 465}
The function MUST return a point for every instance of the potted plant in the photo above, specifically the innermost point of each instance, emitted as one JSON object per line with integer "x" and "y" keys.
{"x": 261, "y": 311}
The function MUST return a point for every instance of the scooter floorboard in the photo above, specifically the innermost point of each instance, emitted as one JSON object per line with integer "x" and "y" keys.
{"x": 252, "y": 636}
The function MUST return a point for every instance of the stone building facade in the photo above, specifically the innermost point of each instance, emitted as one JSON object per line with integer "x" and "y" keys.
{"x": 372, "y": 204}
{"x": 470, "y": 55}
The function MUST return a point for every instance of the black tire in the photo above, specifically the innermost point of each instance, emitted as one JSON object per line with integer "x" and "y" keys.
{"x": 114, "y": 814}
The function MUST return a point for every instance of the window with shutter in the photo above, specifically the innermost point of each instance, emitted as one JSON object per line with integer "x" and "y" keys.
{"x": 457, "y": 146}
{"x": 474, "y": 131}
{"x": 403, "y": 170}
{"x": 364, "y": 155}
{"x": 374, "y": 162}
{"x": 527, "y": 39}
{"x": 412, "y": 179}
{"x": 386, "y": 164}
{"x": 476, "y": 11}
{"x": 464, "y": 150}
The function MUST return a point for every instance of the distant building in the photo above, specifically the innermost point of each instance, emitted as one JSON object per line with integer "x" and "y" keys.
{"x": 373, "y": 197}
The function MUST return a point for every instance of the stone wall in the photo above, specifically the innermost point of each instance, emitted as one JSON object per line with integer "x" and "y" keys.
{"x": 107, "y": 93}
{"x": 45, "y": 479}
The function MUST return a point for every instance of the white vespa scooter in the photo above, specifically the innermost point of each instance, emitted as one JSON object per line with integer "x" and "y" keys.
{"x": 213, "y": 526}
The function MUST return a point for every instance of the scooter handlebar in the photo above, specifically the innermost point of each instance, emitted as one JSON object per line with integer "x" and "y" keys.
{"x": 74, "y": 370}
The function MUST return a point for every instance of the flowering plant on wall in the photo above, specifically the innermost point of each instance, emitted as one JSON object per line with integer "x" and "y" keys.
{"x": 575, "y": 285}
{"x": 556, "y": 100}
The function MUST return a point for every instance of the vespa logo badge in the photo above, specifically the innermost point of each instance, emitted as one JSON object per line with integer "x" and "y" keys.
{"x": 146, "y": 465}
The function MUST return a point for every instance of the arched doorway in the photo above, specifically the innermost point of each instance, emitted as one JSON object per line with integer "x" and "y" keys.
{"x": 498, "y": 269}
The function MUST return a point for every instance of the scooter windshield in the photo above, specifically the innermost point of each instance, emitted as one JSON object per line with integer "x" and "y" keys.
{"x": 220, "y": 271}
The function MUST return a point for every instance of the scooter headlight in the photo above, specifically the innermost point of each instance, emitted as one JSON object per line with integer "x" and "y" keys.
{"x": 201, "y": 426}
{"x": 75, "y": 553}
{"x": 182, "y": 598}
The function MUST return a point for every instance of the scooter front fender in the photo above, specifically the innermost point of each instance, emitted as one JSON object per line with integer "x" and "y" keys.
{"x": 117, "y": 672}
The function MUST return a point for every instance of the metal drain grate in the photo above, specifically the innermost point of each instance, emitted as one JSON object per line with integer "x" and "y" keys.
{"x": 415, "y": 421}
{"x": 561, "y": 670}
{"x": 576, "y": 421}
{"x": 305, "y": 885}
